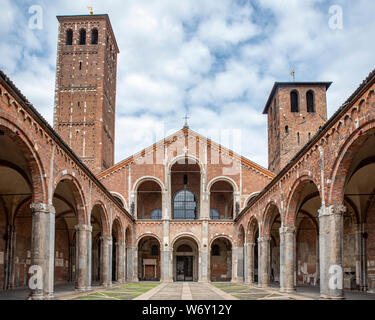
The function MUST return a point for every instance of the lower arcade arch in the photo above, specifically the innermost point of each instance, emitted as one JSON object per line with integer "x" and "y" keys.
{"x": 185, "y": 259}
{"x": 66, "y": 201}
{"x": 149, "y": 259}
{"x": 221, "y": 260}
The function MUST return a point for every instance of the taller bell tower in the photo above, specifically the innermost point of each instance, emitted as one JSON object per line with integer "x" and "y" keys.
{"x": 85, "y": 94}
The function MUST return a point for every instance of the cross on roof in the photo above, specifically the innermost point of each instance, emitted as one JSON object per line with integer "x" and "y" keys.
{"x": 186, "y": 118}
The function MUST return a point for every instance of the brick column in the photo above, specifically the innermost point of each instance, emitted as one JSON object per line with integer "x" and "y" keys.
{"x": 250, "y": 263}
{"x": 331, "y": 251}
{"x": 82, "y": 258}
{"x": 105, "y": 242}
{"x": 264, "y": 261}
{"x": 42, "y": 250}
{"x": 120, "y": 262}
{"x": 287, "y": 263}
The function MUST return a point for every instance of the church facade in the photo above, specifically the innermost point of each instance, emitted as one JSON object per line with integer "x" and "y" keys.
{"x": 185, "y": 208}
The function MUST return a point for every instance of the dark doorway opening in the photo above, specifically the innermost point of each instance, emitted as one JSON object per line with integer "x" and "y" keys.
{"x": 184, "y": 267}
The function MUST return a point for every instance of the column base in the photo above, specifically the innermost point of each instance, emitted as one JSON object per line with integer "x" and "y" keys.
{"x": 326, "y": 297}
{"x": 36, "y": 296}
{"x": 50, "y": 296}
{"x": 288, "y": 290}
{"x": 80, "y": 290}
{"x": 203, "y": 280}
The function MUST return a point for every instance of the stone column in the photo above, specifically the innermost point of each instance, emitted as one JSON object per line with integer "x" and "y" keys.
{"x": 264, "y": 261}
{"x": 203, "y": 263}
{"x": 234, "y": 265}
{"x": 42, "y": 251}
{"x": 135, "y": 268}
{"x": 105, "y": 242}
{"x": 82, "y": 259}
{"x": 287, "y": 264}
{"x": 120, "y": 262}
{"x": 331, "y": 251}
{"x": 240, "y": 264}
{"x": 9, "y": 259}
{"x": 358, "y": 244}
{"x": 110, "y": 253}
{"x": 250, "y": 263}
{"x": 89, "y": 257}
{"x": 165, "y": 269}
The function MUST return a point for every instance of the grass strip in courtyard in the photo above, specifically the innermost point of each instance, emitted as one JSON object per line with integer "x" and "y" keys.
{"x": 125, "y": 292}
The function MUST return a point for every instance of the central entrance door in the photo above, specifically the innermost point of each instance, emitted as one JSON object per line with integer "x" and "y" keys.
{"x": 184, "y": 271}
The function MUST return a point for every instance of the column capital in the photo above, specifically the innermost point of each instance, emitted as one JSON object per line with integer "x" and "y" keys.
{"x": 264, "y": 239}
{"x": 334, "y": 209}
{"x": 106, "y": 238}
{"x": 83, "y": 227}
{"x": 337, "y": 209}
{"x": 250, "y": 244}
{"x": 42, "y": 207}
{"x": 120, "y": 243}
{"x": 287, "y": 229}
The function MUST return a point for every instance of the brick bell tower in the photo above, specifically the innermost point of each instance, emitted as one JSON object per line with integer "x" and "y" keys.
{"x": 296, "y": 111}
{"x": 85, "y": 94}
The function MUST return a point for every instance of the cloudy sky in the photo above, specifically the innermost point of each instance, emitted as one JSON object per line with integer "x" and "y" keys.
{"x": 213, "y": 59}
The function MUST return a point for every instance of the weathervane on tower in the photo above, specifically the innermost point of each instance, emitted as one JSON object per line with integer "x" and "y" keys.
{"x": 91, "y": 10}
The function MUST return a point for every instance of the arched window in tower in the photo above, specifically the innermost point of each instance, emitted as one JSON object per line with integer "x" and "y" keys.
{"x": 185, "y": 205}
{"x": 294, "y": 101}
{"x": 310, "y": 101}
{"x": 94, "y": 36}
{"x": 298, "y": 138}
{"x": 69, "y": 37}
{"x": 82, "y": 37}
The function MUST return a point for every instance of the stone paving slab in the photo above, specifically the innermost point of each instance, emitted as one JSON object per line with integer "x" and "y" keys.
{"x": 246, "y": 292}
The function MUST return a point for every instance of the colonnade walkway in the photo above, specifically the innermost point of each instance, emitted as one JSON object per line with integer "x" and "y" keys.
{"x": 183, "y": 291}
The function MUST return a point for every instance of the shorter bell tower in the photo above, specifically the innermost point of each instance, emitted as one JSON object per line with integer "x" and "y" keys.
{"x": 296, "y": 111}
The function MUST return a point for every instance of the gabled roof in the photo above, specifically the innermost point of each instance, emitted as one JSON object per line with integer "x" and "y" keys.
{"x": 291, "y": 84}
{"x": 185, "y": 130}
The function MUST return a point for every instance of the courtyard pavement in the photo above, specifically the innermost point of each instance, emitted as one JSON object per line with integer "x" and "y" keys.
{"x": 184, "y": 291}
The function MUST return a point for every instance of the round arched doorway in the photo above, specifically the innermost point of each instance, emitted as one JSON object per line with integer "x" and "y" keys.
{"x": 185, "y": 260}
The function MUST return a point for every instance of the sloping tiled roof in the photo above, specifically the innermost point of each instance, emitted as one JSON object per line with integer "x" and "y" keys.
{"x": 193, "y": 133}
